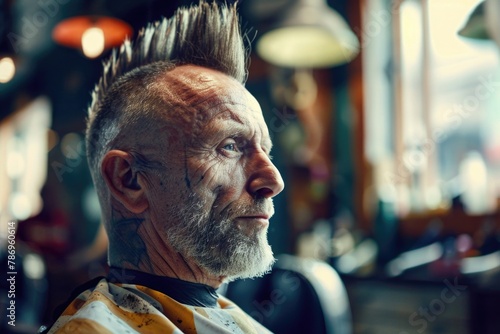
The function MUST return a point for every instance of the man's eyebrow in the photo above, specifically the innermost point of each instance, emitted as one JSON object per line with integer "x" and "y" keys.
{"x": 266, "y": 142}
{"x": 227, "y": 113}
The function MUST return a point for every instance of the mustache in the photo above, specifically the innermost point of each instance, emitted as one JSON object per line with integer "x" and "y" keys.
{"x": 251, "y": 207}
{"x": 256, "y": 207}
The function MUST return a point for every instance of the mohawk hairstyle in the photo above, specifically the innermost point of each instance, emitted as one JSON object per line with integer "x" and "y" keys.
{"x": 207, "y": 34}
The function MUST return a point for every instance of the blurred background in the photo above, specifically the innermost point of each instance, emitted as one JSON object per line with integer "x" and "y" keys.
{"x": 385, "y": 120}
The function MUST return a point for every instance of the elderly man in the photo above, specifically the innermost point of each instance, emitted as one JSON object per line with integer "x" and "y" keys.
{"x": 179, "y": 154}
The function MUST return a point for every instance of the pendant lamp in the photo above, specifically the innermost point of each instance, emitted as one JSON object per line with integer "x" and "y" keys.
{"x": 91, "y": 34}
{"x": 308, "y": 34}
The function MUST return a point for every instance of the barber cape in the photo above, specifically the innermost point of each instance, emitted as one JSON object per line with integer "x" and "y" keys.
{"x": 157, "y": 305}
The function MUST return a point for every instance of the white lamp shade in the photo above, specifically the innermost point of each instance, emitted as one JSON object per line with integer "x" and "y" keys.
{"x": 309, "y": 35}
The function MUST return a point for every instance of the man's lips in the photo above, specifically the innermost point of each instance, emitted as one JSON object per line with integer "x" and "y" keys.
{"x": 260, "y": 218}
{"x": 255, "y": 216}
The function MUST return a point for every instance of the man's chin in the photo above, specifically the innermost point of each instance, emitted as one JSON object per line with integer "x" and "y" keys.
{"x": 245, "y": 259}
{"x": 250, "y": 263}
{"x": 250, "y": 273}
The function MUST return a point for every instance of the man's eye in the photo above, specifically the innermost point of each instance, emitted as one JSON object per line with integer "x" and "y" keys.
{"x": 231, "y": 147}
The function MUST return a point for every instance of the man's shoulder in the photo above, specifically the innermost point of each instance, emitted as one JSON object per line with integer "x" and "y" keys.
{"x": 100, "y": 306}
{"x": 104, "y": 307}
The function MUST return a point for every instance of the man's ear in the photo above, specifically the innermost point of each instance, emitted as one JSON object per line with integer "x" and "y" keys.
{"x": 124, "y": 183}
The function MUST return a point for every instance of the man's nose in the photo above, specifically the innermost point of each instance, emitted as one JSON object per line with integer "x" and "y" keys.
{"x": 264, "y": 178}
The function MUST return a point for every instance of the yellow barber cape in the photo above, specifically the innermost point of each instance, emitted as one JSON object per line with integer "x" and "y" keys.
{"x": 131, "y": 308}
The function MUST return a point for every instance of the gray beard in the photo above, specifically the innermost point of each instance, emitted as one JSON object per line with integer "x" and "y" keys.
{"x": 218, "y": 245}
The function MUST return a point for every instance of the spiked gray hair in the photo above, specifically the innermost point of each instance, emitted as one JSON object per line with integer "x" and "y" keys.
{"x": 206, "y": 35}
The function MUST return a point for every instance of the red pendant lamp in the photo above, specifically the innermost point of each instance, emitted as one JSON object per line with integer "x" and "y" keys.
{"x": 91, "y": 34}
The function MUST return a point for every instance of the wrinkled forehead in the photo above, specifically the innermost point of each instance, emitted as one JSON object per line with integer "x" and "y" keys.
{"x": 195, "y": 95}
{"x": 198, "y": 105}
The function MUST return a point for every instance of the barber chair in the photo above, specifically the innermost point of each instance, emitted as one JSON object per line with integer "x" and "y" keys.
{"x": 298, "y": 296}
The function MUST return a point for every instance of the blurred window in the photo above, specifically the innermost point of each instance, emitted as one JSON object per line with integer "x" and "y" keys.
{"x": 443, "y": 116}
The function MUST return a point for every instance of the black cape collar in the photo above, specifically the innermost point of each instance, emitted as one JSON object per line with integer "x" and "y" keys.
{"x": 184, "y": 292}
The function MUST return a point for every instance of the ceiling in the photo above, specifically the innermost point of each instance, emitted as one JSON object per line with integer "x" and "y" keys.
{"x": 65, "y": 75}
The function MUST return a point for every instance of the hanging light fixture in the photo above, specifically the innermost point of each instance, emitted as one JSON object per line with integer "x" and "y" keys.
{"x": 93, "y": 42}
{"x": 9, "y": 62}
{"x": 483, "y": 22}
{"x": 308, "y": 34}
{"x": 91, "y": 34}
{"x": 475, "y": 25}
{"x": 7, "y": 69}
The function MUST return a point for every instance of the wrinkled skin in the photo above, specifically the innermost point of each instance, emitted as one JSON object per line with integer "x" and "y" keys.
{"x": 202, "y": 212}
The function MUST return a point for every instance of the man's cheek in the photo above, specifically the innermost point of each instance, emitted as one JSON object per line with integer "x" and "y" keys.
{"x": 231, "y": 183}
{"x": 201, "y": 171}
{"x": 237, "y": 177}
